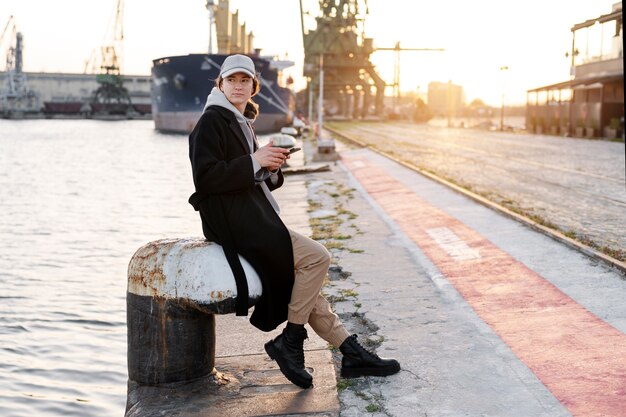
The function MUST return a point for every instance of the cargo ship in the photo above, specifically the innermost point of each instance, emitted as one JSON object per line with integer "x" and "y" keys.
{"x": 181, "y": 84}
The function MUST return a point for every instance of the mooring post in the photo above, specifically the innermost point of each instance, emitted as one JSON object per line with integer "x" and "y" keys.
{"x": 175, "y": 287}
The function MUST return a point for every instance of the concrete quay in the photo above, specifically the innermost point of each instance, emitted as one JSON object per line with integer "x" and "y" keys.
{"x": 486, "y": 316}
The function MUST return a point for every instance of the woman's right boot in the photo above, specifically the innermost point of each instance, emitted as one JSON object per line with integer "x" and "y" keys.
{"x": 287, "y": 349}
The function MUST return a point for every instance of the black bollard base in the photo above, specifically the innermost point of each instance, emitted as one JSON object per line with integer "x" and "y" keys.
{"x": 168, "y": 341}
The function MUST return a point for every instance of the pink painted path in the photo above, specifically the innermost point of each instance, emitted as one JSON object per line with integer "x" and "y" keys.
{"x": 577, "y": 356}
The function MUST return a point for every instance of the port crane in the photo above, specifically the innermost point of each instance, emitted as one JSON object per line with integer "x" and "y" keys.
{"x": 111, "y": 97}
{"x": 15, "y": 96}
{"x": 338, "y": 46}
{"x": 396, "y": 68}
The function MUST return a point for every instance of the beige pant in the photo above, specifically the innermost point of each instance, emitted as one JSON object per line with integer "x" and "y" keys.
{"x": 307, "y": 305}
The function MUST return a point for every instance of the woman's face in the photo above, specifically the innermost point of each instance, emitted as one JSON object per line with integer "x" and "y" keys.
{"x": 238, "y": 89}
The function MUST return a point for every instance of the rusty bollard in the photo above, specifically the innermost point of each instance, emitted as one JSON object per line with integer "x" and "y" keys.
{"x": 175, "y": 287}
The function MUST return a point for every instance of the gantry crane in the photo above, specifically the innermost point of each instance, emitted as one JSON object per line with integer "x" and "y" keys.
{"x": 339, "y": 44}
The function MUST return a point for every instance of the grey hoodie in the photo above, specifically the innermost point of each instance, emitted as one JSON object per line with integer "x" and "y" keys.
{"x": 217, "y": 98}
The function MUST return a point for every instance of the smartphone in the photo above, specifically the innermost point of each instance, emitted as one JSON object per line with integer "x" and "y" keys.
{"x": 292, "y": 150}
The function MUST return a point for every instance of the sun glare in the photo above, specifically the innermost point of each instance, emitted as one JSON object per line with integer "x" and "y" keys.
{"x": 479, "y": 37}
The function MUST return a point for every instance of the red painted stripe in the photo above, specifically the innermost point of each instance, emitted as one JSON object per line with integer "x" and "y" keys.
{"x": 577, "y": 356}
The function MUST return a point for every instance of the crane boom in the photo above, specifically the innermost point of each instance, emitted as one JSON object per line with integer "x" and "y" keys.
{"x": 6, "y": 27}
{"x": 112, "y": 52}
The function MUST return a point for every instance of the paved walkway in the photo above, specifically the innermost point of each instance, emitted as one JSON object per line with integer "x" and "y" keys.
{"x": 486, "y": 316}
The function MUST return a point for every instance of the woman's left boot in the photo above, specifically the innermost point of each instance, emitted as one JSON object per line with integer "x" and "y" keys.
{"x": 357, "y": 361}
{"x": 287, "y": 349}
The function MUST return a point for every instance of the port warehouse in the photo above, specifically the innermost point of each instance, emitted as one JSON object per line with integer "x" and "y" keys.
{"x": 583, "y": 108}
{"x": 67, "y": 92}
{"x": 591, "y": 104}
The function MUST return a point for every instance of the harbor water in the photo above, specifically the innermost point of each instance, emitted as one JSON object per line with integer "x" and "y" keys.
{"x": 77, "y": 198}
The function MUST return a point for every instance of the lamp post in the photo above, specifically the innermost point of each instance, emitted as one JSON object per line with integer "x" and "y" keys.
{"x": 310, "y": 84}
{"x": 502, "y": 107}
{"x": 212, "y": 8}
{"x": 320, "y": 100}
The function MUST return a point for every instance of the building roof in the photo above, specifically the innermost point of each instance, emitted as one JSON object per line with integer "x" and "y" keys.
{"x": 604, "y": 18}
{"x": 581, "y": 82}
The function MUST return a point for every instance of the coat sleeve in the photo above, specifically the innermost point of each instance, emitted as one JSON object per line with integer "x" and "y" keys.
{"x": 213, "y": 172}
{"x": 279, "y": 181}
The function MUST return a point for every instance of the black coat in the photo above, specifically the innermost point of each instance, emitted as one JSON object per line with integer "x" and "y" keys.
{"x": 237, "y": 215}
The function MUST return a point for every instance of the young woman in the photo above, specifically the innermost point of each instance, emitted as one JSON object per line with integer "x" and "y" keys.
{"x": 234, "y": 178}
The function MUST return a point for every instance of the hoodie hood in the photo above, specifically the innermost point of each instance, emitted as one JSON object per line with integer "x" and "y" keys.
{"x": 217, "y": 98}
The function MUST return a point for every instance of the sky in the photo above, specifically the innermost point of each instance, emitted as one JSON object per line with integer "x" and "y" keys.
{"x": 528, "y": 37}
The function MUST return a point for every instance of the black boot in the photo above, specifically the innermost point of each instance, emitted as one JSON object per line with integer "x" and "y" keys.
{"x": 357, "y": 361}
{"x": 288, "y": 351}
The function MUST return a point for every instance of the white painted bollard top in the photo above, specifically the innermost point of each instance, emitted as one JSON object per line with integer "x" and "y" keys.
{"x": 190, "y": 268}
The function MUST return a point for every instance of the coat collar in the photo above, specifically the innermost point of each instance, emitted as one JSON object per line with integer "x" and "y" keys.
{"x": 233, "y": 125}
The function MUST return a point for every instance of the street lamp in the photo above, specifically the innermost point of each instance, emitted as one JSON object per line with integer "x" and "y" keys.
{"x": 212, "y": 8}
{"x": 502, "y": 107}
{"x": 320, "y": 100}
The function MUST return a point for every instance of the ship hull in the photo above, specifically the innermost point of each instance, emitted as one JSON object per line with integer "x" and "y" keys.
{"x": 181, "y": 84}
{"x": 184, "y": 122}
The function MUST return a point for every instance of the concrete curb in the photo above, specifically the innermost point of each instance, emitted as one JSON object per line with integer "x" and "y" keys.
{"x": 306, "y": 169}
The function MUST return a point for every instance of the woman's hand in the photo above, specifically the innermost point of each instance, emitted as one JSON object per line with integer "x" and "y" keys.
{"x": 271, "y": 157}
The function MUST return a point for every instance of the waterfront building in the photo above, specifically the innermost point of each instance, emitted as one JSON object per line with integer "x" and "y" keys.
{"x": 446, "y": 99}
{"x": 591, "y": 103}
{"x": 67, "y": 93}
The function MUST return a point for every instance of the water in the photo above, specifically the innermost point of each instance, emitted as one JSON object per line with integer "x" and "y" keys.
{"x": 77, "y": 198}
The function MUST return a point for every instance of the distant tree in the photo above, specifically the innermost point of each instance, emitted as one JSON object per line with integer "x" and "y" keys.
{"x": 421, "y": 112}
{"x": 478, "y": 108}
{"x": 477, "y": 103}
